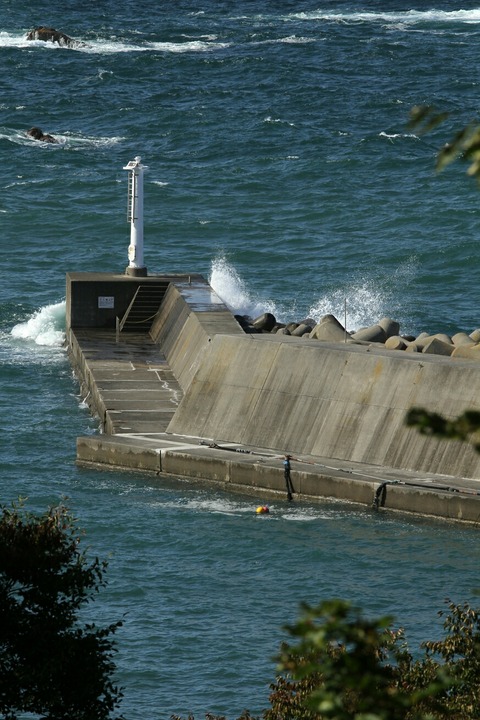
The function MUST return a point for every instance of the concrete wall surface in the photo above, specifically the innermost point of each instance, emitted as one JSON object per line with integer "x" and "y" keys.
{"x": 262, "y": 475}
{"x": 97, "y": 299}
{"x": 328, "y": 400}
{"x": 190, "y": 315}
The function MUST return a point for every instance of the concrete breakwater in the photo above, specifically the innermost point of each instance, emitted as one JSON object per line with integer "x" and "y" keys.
{"x": 386, "y": 332}
{"x": 181, "y": 390}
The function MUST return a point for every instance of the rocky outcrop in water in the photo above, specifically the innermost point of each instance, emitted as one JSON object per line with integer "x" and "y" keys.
{"x": 385, "y": 333}
{"x": 37, "y": 134}
{"x": 48, "y": 34}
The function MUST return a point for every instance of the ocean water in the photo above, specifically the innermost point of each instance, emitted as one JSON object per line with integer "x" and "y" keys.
{"x": 282, "y": 167}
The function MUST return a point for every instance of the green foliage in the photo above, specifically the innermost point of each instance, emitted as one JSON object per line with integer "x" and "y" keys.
{"x": 424, "y": 118}
{"x": 465, "y": 144}
{"x": 347, "y": 666}
{"x": 49, "y": 664}
{"x": 462, "y": 428}
{"x": 343, "y": 666}
{"x": 458, "y": 663}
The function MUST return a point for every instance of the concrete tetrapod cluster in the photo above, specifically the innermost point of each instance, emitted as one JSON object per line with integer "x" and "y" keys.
{"x": 385, "y": 333}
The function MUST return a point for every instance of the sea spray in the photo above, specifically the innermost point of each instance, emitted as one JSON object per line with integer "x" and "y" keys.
{"x": 45, "y": 327}
{"x": 364, "y": 302}
{"x": 363, "y": 305}
{"x": 232, "y": 289}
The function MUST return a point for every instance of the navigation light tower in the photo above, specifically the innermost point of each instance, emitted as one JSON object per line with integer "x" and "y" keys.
{"x": 135, "y": 266}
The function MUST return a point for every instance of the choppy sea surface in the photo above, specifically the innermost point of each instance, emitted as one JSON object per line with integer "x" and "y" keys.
{"x": 282, "y": 167}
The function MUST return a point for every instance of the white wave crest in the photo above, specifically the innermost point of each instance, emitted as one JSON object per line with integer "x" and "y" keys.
{"x": 395, "y": 136}
{"x": 105, "y": 46}
{"x": 68, "y": 141}
{"x": 112, "y": 47}
{"x": 45, "y": 327}
{"x": 405, "y": 17}
{"x": 360, "y": 304}
{"x": 190, "y": 46}
{"x": 230, "y": 287}
{"x": 366, "y": 300}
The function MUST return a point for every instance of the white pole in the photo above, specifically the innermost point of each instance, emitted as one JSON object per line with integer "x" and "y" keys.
{"x": 135, "y": 216}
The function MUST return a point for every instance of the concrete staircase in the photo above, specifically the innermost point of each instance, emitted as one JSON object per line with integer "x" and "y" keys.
{"x": 143, "y": 308}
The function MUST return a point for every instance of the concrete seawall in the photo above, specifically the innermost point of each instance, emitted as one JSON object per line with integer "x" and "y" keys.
{"x": 184, "y": 327}
{"x": 339, "y": 401}
{"x": 196, "y": 397}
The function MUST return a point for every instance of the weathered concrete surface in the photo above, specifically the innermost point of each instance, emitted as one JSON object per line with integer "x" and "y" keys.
{"x": 200, "y": 399}
{"x": 339, "y": 401}
{"x": 128, "y": 384}
{"x": 191, "y": 314}
{"x": 96, "y": 299}
{"x": 259, "y": 472}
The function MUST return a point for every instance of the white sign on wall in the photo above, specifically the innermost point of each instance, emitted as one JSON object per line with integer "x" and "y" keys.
{"x": 106, "y": 301}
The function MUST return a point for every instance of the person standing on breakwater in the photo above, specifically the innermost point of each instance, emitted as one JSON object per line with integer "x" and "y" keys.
{"x": 288, "y": 479}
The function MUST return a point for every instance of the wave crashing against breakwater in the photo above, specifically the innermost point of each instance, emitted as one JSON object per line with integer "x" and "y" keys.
{"x": 363, "y": 302}
{"x": 359, "y": 313}
{"x": 45, "y": 327}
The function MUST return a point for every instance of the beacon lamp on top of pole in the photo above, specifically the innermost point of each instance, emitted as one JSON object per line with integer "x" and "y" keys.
{"x": 136, "y": 265}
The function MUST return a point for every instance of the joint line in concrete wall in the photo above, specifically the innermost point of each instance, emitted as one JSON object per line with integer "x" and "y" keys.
{"x": 380, "y": 497}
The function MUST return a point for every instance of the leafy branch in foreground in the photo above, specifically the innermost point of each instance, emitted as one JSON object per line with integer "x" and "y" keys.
{"x": 462, "y": 428}
{"x": 344, "y": 666}
{"x": 465, "y": 144}
{"x": 50, "y": 664}
{"x": 358, "y": 666}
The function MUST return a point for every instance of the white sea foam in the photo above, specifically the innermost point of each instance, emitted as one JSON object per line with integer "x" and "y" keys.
{"x": 191, "y": 46}
{"x": 110, "y": 47}
{"x": 78, "y": 141}
{"x": 361, "y": 304}
{"x": 306, "y": 515}
{"x": 15, "y": 40}
{"x": 106, "y": 46}
{"x": 227, "y": 505}
{"x": 208, "y": 503}
{"x": 290, "y": 40}
{"x": 45, "y": 327}
{"x": 409, "y": 17}
{"x": 9, "y": 40}
{"x": 218, "y": 505}
{"x": 230, "y": 287}
{"x": 270, "y": 119}
{"x": 67, "y": 140}
{"x": 395, "y": 136}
